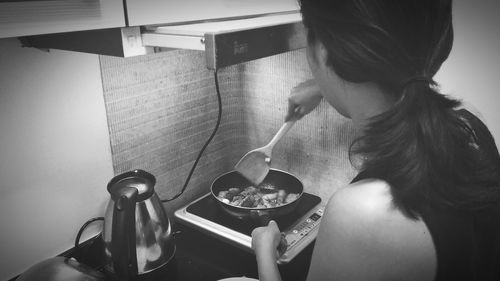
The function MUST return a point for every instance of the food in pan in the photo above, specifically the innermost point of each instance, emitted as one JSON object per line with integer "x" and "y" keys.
{"x": 264, "y": 196}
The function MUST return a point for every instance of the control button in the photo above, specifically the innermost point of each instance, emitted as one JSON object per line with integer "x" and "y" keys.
{"x": 315, "y": 217}
{"x": 295, "y": 231}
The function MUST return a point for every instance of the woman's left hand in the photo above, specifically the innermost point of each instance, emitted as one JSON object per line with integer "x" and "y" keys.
{"x": 266, "y": 239}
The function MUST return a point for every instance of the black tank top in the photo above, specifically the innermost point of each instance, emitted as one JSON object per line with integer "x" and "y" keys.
{"x": 467, "y": 244}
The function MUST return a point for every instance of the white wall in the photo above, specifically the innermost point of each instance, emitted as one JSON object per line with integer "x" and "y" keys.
{"x": 55, "y": 158}
{"x": 472, "y": 72}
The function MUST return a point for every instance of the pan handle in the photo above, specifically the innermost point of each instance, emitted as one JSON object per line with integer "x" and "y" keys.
{"x": 283, "y": 245}
{"x": 263, "y": 217}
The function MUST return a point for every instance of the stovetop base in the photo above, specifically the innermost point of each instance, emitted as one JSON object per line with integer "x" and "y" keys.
{"x": 299, "y": 228}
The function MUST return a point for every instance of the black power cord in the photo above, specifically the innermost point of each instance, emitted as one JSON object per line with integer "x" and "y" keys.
{"x": 219, "y": 117}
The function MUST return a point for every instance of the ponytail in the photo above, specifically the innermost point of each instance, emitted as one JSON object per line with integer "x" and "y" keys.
{"x": 422, "y": 148}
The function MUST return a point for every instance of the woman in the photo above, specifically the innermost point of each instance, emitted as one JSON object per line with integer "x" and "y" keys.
{"x": 425, "y": 204}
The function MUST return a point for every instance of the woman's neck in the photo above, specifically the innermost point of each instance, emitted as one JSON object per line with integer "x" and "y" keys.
{"x": 366, "y": 100}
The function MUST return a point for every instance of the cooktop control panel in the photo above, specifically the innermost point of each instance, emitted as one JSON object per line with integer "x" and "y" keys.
{"x": 301, "y": 234}
{"x": 303, "y": 228}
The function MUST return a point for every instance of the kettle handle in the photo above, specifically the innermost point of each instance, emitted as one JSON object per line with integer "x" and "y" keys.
{"x": 123, "y": 234}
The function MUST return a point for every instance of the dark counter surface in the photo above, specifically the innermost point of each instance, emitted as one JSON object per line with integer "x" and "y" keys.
{"x": 201, "y": 257}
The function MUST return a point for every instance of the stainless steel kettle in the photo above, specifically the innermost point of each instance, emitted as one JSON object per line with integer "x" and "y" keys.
{"x": 138, "y": 242}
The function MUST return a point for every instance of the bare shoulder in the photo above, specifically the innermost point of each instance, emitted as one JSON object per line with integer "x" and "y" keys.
{"x": 365, "y": 199}
{"x": 361, "y": 226}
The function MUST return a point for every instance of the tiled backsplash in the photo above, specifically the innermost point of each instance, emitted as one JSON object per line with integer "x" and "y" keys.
{"x": 162, "y": 108}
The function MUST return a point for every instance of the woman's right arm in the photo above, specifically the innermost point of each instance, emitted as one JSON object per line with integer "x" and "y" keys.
{"x": 304, "y": 98}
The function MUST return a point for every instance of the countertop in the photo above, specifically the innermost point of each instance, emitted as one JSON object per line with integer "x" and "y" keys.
{"x": 201, "y": 257}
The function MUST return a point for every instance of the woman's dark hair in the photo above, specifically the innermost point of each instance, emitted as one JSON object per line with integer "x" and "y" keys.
{"x": 420, "y": 146}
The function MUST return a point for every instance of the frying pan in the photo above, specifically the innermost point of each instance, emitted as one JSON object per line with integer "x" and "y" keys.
{"x": 277, "y": 178}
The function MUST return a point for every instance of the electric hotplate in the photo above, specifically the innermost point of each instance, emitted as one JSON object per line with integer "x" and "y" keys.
{"x": 299, "y": 227}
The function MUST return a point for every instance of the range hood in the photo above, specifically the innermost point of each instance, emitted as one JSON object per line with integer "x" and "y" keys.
{"x": 231, "y": 42}
{"x": 225, "y": 42}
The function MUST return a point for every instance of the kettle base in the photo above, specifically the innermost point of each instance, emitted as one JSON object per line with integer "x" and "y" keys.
{"x": 168, "y": 271}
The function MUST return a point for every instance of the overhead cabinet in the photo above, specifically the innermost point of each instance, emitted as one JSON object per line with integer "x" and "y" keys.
{"x": 21, "y": 18}
{"x": 35, "y": 17}
{"x": 229, "y": 31}
{"x": 153, "y": 12}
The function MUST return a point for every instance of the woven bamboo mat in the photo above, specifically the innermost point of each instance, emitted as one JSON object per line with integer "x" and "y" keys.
{"x": 161, "y": 108}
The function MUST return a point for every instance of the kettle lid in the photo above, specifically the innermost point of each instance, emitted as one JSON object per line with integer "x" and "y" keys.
{"x": 141, "y": 180}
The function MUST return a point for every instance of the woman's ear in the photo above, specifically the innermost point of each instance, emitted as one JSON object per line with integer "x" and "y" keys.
{"x": 317, "y": 55}
{"x": 321, "y": 55}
